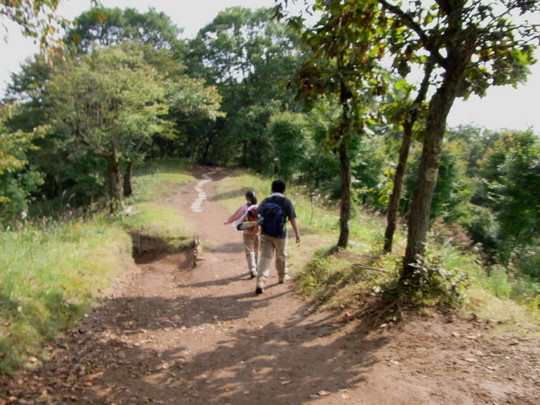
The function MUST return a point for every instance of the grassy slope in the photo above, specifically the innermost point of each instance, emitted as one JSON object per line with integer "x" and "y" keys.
{"x": 345, "y": 281}
{"x": 50, "y": 277}
{"x": 152, "y": 183}
{"x": 51, "y": 274}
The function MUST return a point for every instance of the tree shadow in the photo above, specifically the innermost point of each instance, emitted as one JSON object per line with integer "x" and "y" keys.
{"x": 281, "y": 361}
{"x": 237, "y": 193}
{"x": 229, "y": 247}
{"x": 215, "y": 173}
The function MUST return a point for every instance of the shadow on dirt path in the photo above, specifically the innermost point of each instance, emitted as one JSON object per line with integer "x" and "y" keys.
{"x": 176, "y": 335}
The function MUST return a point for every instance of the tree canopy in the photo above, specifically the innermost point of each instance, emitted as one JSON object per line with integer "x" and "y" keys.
{"x": 339, "y": 106}
{"x": 111, "y": 26}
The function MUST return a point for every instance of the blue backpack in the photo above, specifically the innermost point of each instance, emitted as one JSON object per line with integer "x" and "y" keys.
{"x": 273, "y": 219}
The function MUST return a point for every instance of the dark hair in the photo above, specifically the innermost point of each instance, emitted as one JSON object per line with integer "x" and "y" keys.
{"x": 278, "y": 186}
{"x": 250, "y": 196}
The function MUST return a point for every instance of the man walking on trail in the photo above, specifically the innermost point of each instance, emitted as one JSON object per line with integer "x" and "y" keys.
{"x": 275, "y": 211}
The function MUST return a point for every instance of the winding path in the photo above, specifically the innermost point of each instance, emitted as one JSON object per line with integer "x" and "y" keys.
{"x": 201, "y": 195}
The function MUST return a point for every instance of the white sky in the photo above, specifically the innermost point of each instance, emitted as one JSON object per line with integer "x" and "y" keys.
{"x": 503, "y": 107}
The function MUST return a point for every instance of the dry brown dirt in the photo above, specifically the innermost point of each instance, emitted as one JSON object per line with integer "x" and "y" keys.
{"x": 169, "y": 334}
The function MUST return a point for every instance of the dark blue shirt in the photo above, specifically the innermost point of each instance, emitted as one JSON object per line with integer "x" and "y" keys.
{"x": 287, "y": 207}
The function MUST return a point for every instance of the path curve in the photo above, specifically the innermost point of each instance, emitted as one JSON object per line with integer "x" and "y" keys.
{"x": 201, "y": 195}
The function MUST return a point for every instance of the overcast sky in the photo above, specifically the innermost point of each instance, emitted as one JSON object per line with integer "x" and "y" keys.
{"x": 503, "y": 107}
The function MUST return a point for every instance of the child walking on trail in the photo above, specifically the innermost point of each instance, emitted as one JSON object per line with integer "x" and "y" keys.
{"x": 275, "y": 211}
{"x": 250, "y": 234}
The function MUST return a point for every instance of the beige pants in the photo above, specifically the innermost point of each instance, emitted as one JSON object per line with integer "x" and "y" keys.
{"x": 269, "y": 245}
{"x": 251, "y": 247}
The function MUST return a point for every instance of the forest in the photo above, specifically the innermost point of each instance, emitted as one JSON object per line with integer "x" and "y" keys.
{"x": 350, "y": 109}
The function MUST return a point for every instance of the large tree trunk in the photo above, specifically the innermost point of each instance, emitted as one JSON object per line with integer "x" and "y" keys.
{"x": 345, "y": 209}
{"x": 128, "y": 176}
{"x": 115, "y": 182}
{"x": 419, "y": 216}
{"x": 408, "y": 126}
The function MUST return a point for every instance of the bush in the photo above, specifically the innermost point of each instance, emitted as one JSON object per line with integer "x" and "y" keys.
{"x": 430, "y": 284}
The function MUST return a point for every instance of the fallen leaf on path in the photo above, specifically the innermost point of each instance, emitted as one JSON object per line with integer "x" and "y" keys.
{"x": 93, "y": 376}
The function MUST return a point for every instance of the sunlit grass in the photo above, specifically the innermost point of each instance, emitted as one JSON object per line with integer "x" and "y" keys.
{"x": 52, "y": 271}
{"x": 50, "y": 277}
{"x": 158, "y": 179}
{"x": 158, "y": 221}
{"x": 153, "y": 182}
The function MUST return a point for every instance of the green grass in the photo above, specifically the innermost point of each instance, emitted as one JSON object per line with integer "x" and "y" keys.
{"x": 50, "y": 277}
{"x": 51, "y": 273}
{"x": 157, "y": 179}
{"x": 160, "y": 222}
{"x": 152, "y": 183}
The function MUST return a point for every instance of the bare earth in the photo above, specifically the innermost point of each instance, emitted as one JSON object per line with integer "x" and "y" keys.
{"x": 169, "y": 334}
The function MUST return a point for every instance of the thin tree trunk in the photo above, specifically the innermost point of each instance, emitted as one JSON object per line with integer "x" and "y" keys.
{"x": 128, "y": 175}
{"x": 207, "y": 146}
{"x": 393, "y": 204}
{"x": 345, "y": 209}
{"x": 115, "y": 182}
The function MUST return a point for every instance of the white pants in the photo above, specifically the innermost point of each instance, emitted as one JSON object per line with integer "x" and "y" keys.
{"x": 251, "y": 248}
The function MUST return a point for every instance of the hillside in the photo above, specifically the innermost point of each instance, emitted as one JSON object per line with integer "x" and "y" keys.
{"x": 172, "y": 334}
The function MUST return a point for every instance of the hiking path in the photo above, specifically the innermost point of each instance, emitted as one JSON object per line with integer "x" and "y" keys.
{"x": 172, "y": 334}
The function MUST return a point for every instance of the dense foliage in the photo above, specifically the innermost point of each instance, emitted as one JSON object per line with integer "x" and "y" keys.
{"x": 251, "y": 91}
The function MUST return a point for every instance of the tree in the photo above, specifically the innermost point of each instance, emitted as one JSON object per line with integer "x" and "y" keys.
{"x": 35, "y": 17}
{"x": 453, "y": 191}
{"x": 249, "y": 57}
{"x": 474, "y": 45}
{"x": 286, "y": 130}
{"x": 16, "y": 182}
{"x": 410, "y": 114}
{"x": 194, "y": 108}
{"x": 344, "y": 66}
{"x": 239, "y": 43}
{"x": 511, "y": 173}
{"x": 107, "y": 103}
{"x": 105, "y": 27}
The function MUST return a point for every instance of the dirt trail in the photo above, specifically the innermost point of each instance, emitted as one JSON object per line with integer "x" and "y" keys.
{"x": 175, "y": 335}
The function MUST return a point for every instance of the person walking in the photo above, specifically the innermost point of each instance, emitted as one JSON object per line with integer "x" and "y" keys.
{"x": 250, "y": 234}
{"x": 274, "y": 212}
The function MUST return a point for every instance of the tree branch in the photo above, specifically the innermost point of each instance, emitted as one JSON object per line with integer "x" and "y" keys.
{"x": 409, "y": 21}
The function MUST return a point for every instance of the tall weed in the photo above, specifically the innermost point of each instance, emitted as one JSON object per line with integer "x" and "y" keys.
{"x": 49, "y": 277}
